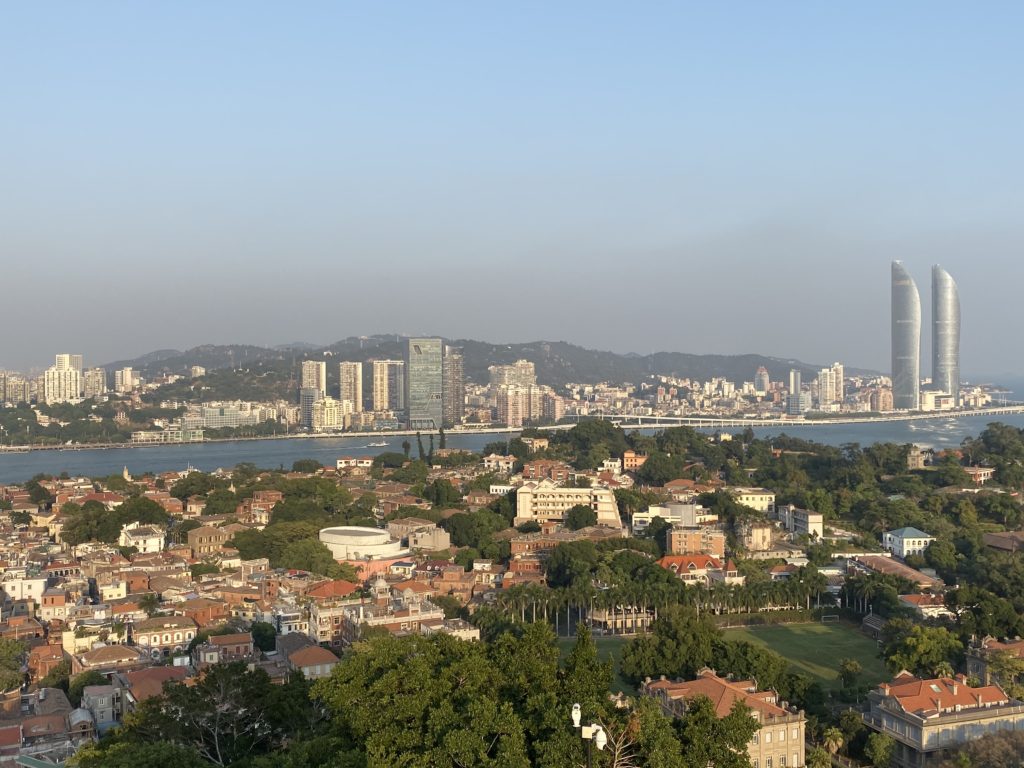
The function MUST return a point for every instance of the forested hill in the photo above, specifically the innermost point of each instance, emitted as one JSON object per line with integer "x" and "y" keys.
{"x": 557, "y": 362}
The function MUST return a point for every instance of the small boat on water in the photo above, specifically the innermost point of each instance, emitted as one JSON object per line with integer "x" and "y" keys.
{"x": 381, "y": 444}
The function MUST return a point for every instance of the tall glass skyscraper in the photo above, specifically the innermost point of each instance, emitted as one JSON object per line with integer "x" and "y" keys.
{"x": 424, "y": 384}
{"x": 945, "y": 334}
{"x": 906, "y": 340}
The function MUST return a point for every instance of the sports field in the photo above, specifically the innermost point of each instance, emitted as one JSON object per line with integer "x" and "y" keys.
{"x": 815, "y": 649}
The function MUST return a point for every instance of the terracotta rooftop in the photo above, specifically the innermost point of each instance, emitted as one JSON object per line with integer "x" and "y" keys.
{"x": 312, "y": 655}
{"x": 146, "y": 683}
{"x": 689, "y": 562}
{"x": 722, "y": 693}
{"x": 928, "y": 698}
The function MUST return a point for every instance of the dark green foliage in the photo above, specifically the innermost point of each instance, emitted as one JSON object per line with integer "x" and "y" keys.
{"x": 474, "y": 529}
{"x": 390, "y": 460}
{"x": 263, "y": 635}
{"x": 571, "y": 562}
{"x": 230, "y": 714}
{"x": 580, "y": 516}
{"x": 94, "y": 522}
{"x": 681, "y": 644}
{"x": 708, "y": 739}
{"x": 158, "y": 754}
{"x": 442, "y": 494}
{"x": 80, "y": 682}
{"x": 415, "y": 473}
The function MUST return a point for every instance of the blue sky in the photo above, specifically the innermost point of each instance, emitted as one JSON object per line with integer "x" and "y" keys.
{"x": 718, "y": 177}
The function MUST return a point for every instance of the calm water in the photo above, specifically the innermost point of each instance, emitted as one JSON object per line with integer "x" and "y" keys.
{"x": 18, "y": 467}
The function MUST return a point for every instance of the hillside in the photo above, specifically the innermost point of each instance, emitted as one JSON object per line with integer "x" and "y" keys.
{"x": 557, "y": 362}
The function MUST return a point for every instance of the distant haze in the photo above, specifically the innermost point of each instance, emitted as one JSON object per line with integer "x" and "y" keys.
{"x": 722, "y": 178}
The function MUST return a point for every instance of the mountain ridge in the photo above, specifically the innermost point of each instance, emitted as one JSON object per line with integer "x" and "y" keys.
{"x": 557, "y": 362}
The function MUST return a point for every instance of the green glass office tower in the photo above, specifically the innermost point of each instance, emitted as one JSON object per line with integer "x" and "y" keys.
{"x": 424, "y": 384}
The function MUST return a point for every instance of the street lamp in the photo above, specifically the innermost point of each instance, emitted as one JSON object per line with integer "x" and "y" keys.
{"x": 593, "y": 733}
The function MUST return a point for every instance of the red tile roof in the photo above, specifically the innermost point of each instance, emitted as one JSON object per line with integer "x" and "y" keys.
{"x": 311, "y": 656}
{"x": 689, "y": 562}
{"x": 941, "y": 694}
{"x": 722, "y": 693}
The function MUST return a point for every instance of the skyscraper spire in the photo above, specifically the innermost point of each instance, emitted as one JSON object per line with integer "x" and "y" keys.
{"x": 945, "y": 334}
{"x": 906, "y": 340}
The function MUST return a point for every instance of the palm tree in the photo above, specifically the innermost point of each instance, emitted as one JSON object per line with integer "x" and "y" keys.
{"x": 832, "y": 740}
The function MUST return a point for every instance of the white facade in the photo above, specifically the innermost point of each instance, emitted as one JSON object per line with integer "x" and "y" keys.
{"x": 760, "y": 499}
{"x": 351, "y": 386}
{"x": 145, "y": 538}
{"x": 802, "y": 521}
{"x": 543, "y": 501}
{"x": 355, "y": 543}
{"x": 330, "y": 414}
{"x": 686, "y": 515}
{"x": 62, "y": 385}
{"x": 906, "y": 541}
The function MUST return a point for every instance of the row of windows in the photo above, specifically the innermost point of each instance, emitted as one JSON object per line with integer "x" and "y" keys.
{"x": 146, "y": 640}
{"x": 782, "y": 761}
{"x": 781, "y": 735}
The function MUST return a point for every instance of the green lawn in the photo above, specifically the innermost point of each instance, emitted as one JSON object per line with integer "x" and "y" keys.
{"x": 606, "y": 646}
{"x": 815, "y": 649}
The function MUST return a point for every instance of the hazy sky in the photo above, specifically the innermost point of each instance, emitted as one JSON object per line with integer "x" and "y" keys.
{"x": 720, "y": 177}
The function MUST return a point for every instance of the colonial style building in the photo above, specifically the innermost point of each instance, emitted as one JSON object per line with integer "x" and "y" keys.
{"x": 932, "y": 719}
{"x": 544, "y": 501}
{"x": 779, "y": 743}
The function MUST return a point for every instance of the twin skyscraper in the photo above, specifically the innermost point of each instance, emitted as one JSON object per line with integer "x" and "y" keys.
{"x": 906, "y": 337}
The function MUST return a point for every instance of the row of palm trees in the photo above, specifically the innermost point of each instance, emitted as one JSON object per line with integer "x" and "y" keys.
{"x": 630, "y": 606}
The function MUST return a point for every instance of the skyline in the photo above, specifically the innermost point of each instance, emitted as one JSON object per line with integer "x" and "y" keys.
{"x": 188, "y": 175}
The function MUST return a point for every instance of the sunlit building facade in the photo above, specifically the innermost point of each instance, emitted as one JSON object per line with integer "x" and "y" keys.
{"x": 906, "y": 340}
{"x": 424, "y": 387}
{"x": 945, "y": 334}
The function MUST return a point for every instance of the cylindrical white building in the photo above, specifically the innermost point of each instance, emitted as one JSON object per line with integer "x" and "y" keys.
{"x": 351, "y": 542}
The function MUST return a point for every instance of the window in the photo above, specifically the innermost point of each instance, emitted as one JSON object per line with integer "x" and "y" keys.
{"x": 782, "y": 734}
{"x": 782, "y": 761}
{"x": 796, "y": 734}
{"x": 767, "y": 762}
{"x": 768, "y": 739}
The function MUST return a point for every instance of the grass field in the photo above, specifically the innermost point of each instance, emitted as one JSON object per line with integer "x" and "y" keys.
{"x": 606, "y": 646}
{"x": 815, "y": 649}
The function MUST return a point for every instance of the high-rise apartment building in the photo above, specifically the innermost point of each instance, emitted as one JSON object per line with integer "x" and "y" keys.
{"x": 94, "y": 383}
{"x": 314, "y": 376}
{"x": 330, "y": 415}
{"x": 124, "y": 380}
{"x": 307, "y": 398}
{"x": 351, "y": 387}
{"x": 762, "y": 381}
{"x": 454, "y": 387}
{"x": 389, "y": 385}
{"x": 17, "y": 389}
{"x": 838, "y": 383}
{"x": 906, "y": 340}
{"x": 826, "y": 388}
{"x": 424, "y": 384}
{"x": 945, "y": 334}
{"x": 65, "y": 362}
{"x": 522, "y": 373}
{"x": 794, "y": 404}
{"x": 61, "y": 385}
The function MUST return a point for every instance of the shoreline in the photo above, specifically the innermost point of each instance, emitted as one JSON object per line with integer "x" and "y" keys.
{"x": 628, "y": 423}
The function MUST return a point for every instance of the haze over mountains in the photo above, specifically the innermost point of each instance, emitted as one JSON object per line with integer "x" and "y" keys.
{"x": 557, "y": 362}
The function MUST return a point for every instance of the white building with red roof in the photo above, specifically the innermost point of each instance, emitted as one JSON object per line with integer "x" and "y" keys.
{"x": 933, "y": 718}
